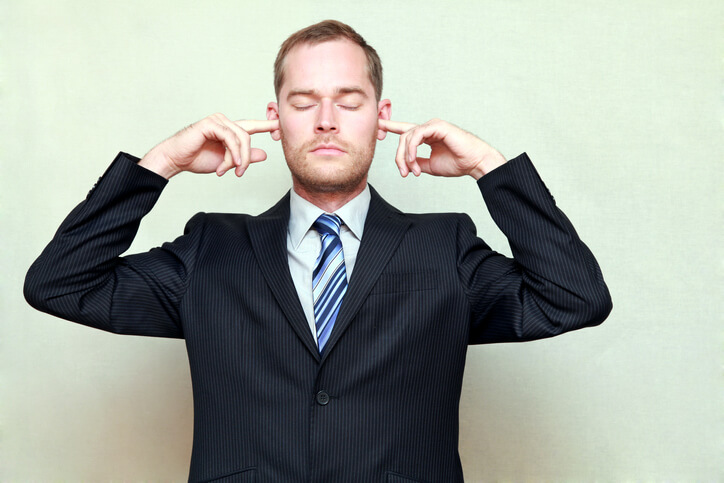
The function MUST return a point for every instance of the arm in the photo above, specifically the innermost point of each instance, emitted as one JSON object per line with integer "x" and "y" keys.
{"x": 80, "y": 273}
{"x": 553, "y": 284}
{"x": 81, "y": 276}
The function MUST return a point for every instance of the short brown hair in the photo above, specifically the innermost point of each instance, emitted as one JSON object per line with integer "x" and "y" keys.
{"x": 323, "y": 32}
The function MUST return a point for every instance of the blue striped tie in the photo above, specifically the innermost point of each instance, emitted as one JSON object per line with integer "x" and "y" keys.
{"x": 329, "y": 282}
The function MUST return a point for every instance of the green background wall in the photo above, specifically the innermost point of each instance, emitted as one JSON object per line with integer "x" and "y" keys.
{"x": 619, "y": 104}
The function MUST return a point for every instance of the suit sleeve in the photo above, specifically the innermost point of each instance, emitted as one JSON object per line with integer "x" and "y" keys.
{"x": 552, "y": 285}
{"x": 80, "y": 276}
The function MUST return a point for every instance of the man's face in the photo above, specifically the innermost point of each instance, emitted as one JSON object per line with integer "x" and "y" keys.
{"x": 328, "y": 116}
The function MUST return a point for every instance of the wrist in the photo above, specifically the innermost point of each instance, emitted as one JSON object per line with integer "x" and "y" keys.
{"x": 489, "y": 162}
{"x": 159, "y": 164}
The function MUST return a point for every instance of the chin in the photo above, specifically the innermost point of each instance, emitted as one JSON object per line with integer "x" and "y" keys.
{"x": 330, "y": 182}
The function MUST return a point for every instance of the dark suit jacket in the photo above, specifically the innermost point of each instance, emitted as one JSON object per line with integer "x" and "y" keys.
{"x": 381, "y": 404}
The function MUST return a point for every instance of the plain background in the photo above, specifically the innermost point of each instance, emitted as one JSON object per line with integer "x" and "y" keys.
{"x": 619, "y": 105}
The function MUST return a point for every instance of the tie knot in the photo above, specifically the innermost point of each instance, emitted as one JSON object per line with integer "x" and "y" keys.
{"x": 328, "y": 225}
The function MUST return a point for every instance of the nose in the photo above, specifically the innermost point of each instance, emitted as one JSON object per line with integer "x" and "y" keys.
{"x": 326, "y": 119}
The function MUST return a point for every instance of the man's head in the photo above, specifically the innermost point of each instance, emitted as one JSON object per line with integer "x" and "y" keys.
{"x": 328, "y": 108}
{"x": 324, "y": 32}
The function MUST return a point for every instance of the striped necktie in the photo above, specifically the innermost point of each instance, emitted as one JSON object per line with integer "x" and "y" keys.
{"x": 329, "y": 280}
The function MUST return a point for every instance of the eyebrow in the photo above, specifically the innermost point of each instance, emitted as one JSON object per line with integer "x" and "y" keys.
{"x": 338, "y": 91}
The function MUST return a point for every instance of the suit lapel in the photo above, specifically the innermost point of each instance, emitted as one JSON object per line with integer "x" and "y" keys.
{"x": 384, "y": 229}
{"x": 268, "y": 234}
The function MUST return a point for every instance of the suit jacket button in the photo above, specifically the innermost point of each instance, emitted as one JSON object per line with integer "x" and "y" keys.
{"x": 322, "y": 398}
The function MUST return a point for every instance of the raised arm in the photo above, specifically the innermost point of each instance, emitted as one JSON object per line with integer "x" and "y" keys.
{"x": 81, "y": 276}
{"x": 553, "y": 284}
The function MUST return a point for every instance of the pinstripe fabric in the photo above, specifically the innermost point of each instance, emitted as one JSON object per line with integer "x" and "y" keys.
{"x": 329, "y": 280}
{"x": 381, "y": 402}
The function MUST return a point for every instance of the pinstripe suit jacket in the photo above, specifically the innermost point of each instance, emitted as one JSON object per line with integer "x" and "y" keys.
{"x": 381, "y": 404}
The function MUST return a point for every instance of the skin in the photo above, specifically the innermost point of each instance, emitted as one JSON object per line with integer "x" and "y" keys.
{"x": 329, "y": 122}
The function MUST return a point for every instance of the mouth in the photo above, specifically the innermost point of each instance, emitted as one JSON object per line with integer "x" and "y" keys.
{"x": 327, "y": 150}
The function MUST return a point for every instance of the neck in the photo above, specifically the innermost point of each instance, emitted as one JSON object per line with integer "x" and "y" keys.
{"x": 329, "y": 201}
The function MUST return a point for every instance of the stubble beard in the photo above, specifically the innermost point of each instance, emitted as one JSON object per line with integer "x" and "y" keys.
{"x": 340, "y": 176}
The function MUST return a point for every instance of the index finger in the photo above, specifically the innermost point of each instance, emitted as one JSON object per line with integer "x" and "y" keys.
{"x": 253, "y": 126}
{"x": 396, "y": 127}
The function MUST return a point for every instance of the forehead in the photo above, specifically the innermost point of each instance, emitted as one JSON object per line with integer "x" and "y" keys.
{"x": 327, "y": 66}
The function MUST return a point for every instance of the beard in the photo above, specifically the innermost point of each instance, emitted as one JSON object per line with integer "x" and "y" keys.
{"x": 344, "y": 174}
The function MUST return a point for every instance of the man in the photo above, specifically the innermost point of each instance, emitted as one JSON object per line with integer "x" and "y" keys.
{"x": 327, "y": 336}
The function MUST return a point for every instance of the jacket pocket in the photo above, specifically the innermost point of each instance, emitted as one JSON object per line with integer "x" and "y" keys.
{"x": 246, "y": 475}
{"x": 393, "y": 477}
{"x": 396, "y": 282}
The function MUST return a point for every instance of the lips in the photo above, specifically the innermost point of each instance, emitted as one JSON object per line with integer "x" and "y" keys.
{"x": 327, "y": 149}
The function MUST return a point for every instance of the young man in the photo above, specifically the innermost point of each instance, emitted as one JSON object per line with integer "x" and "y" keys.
{"x": 327, "y": 336}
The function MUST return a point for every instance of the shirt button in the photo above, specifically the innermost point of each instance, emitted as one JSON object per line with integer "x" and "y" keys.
{"x": 322, "y": 398}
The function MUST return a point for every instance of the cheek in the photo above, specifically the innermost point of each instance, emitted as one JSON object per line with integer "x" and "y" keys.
{"x": 364, "y": 127}
{"x": 293, "y": 123}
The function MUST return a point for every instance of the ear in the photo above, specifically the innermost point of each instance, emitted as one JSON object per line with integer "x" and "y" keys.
{"x": 272, "y": 113}
{"x": 384, "y": 111}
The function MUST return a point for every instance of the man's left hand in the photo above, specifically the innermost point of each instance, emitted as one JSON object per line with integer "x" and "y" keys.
{"x": 454, "y": 152}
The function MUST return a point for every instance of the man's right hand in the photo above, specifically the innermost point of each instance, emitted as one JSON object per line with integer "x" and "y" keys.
{"x": 214, "y": 144}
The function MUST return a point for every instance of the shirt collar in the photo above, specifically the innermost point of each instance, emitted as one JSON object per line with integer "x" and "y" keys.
{"x": 302, "y": 214}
